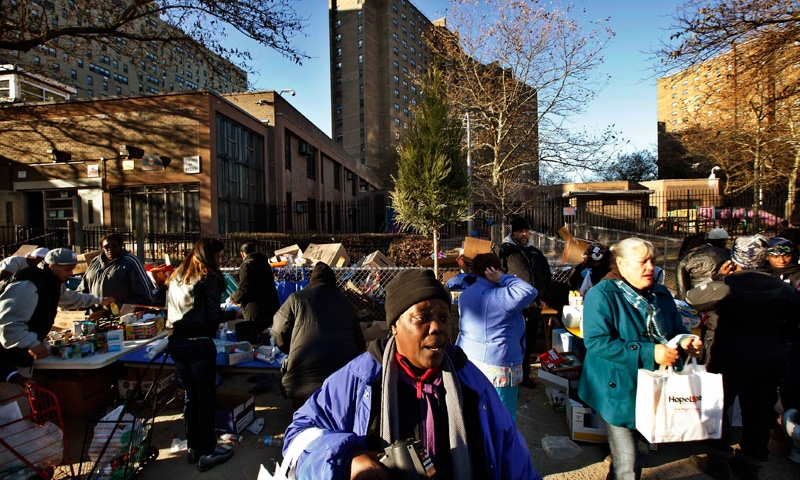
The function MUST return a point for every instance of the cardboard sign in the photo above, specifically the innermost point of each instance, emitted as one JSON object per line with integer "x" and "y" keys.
{"x": 475, "y": 246}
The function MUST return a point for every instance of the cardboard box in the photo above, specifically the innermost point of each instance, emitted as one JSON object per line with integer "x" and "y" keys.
{"x": 65, "y": 318}
{"x": 239, "y": 352}
{"x": 79, "y": 394}
{"x": 234, "y": 411}
{"x": 474, "y": 246}
{"x": 443, "y": 262}
{"x": 290, "y": 250}
{"x": 557, "y": 390}
{"x": 83, "y": 261}
{"x": 24, "y": 250}
{"x": 574, "y": 247}
{"x": 570, "y": 369}
{"x": 584, "y": 423}
{"x": 378, "y": 260}
{"x": 563, "y": 341}
{"x": 165, "y": 388}
{"x": 115, "y": 339}
{"x": 333, "y": 254}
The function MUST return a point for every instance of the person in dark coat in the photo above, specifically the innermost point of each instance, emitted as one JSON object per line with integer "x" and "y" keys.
{"x": 318, "y": 329}
{"x": 256, "y": 294}
{"x": 520, "y": 258}
{"x": 702, "y": 262}
{"x": 753, "y": 310}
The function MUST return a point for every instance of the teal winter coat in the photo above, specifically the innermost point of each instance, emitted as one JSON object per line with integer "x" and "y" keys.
{"x": 617, "y": 346}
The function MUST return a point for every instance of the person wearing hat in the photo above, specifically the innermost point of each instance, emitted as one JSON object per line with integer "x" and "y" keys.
{"x": 520, "y": 258}
{"x": 701, "y": 263}
{"x": 28, "y": 306}
{"x": 11, "y": 265}
{"x": 413, "y": 385}
{"x": 753, "y": 310}
{"x": 256, "y": 294}
{"x": 319, "y": 331}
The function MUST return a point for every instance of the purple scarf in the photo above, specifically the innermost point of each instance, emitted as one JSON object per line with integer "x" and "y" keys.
{"x": 428, "y": 386}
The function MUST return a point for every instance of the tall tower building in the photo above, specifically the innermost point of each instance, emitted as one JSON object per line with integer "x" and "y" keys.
{"x": 377, "y": 51}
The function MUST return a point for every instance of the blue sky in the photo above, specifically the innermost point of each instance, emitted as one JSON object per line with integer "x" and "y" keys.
{"x": 628, "y": 101}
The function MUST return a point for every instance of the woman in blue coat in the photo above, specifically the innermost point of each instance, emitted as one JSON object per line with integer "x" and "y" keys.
{"x": 492, "y": 328}
{"x": 628, "y": 320}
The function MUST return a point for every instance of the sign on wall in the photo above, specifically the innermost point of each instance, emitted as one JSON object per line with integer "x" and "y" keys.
{"x": 93, "y": 171}
{"x": 191, "y": 164}
{"x": 568, "y": 211}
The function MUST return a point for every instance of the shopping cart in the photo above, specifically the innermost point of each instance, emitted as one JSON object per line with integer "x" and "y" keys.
{"x": 117, "y": 443}
{"x": 34, "y": 444}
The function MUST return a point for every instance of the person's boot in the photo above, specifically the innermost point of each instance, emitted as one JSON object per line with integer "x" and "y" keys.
{"x": 746, "y": 467}
{"x": 716, "y": 464}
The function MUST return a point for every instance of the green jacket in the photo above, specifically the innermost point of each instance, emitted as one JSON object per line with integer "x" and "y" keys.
{"x": 617, "y": 346}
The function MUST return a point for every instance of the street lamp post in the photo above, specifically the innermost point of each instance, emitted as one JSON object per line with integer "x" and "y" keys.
{"x": 469, "y": 177}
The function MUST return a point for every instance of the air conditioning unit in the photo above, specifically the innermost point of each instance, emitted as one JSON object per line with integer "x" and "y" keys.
{"x": 304, "y": 149}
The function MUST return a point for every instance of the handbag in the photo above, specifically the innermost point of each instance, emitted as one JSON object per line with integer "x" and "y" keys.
{"x": 679, "y": 406}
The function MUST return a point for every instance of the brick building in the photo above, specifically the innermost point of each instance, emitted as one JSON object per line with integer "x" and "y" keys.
{"x": 180, "y": 162}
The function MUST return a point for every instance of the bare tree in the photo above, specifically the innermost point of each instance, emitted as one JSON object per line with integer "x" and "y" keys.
{"x": 521, "y": 69}
{"x": 747, "y": 49}
{"x": 125, "y": 25}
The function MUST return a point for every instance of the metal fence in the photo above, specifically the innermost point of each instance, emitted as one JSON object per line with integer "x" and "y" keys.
{"x": 365, "y": 286}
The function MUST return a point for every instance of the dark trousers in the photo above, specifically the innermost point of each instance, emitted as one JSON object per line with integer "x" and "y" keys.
{"x": 196, "y": 361}
{"x": 532, "y": 320}
{"x": 756, "y": 384}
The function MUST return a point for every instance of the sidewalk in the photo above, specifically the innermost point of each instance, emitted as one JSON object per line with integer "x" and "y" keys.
{"x": 535, "y": 419}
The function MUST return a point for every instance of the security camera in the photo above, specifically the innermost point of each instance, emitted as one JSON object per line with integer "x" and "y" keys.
{"x": 293, "y": 93}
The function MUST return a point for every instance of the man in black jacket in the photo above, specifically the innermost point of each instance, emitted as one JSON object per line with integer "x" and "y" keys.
{"x": 256, "y": 294}
{"x": 520, "y": 258}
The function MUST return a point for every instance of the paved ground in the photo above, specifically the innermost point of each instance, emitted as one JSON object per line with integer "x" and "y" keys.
{"x": 535, "y": 419}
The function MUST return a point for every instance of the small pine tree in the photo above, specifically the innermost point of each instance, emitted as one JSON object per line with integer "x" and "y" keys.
{"x": 431, "y": 189}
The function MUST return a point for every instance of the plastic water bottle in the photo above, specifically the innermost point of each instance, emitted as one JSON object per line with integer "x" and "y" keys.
{"x": 272, "y": 441}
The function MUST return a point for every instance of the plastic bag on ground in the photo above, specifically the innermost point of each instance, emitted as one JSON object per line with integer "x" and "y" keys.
{"x": 560, "y": 448}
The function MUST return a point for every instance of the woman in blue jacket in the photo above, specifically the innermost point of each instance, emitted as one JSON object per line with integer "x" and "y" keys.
{"x": 492, "y": 328}
{"x": 627, "y": 321}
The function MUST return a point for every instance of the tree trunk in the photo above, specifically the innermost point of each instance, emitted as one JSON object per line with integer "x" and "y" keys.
{"x": 436, "y": 253}
{"x": 788, "y": 211}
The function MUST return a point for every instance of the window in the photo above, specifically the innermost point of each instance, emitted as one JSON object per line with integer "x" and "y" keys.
{"x": 287, "y": 151}
{"x": 311, "y": 166}
{"x": 73, "y": 74}
{"x": 105, "y": 86}
{"x": 80, "y": 64}
{"x": 338, "y": 37}
{"x": 338, "y": 52}
{"x": 397, "y": 122}
{"x": 337, "y": 24}
{"x": 119, "y": 90}
{"x": 405, "y": 57}
{"x": 337, "y": 176}
{"x": 360, "y": 28}
{"x": 360, "y": 58}
{"x": 89, "y": 80}
{"x": 396, "y": 107}
{"x": 405, "y": 112}
{"x": 90, "y": 93}
{"x": 360, "y": 43}
{"x": 396, "y": 79}
{"x": 338, "y": 80}
{"x": 338, "y": 109}
{"x": 339, "y": 138}
{"x": 339, "y": 66}
{"x": 396, "y": 65}
{"x": 125, "y": 68}
{"x": 395, "y": 50}
{"x": 394, "y": 36}
{"x": 37, "y": 60}
{"x": 396, "y": 93}
{"x": 394, "y": 22}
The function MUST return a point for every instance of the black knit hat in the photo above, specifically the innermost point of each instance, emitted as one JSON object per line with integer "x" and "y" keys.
{"x": 410, "y": 287}
{"x": 518, "y": 224}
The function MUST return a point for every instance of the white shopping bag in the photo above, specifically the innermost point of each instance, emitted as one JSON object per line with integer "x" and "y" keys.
{"x": 679, "y": 406}
{"x": 285, "y": 470}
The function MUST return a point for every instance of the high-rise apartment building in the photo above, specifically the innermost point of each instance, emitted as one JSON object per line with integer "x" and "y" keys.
{"x": 119, "y": 67}
{"x": 377, "y": 50}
